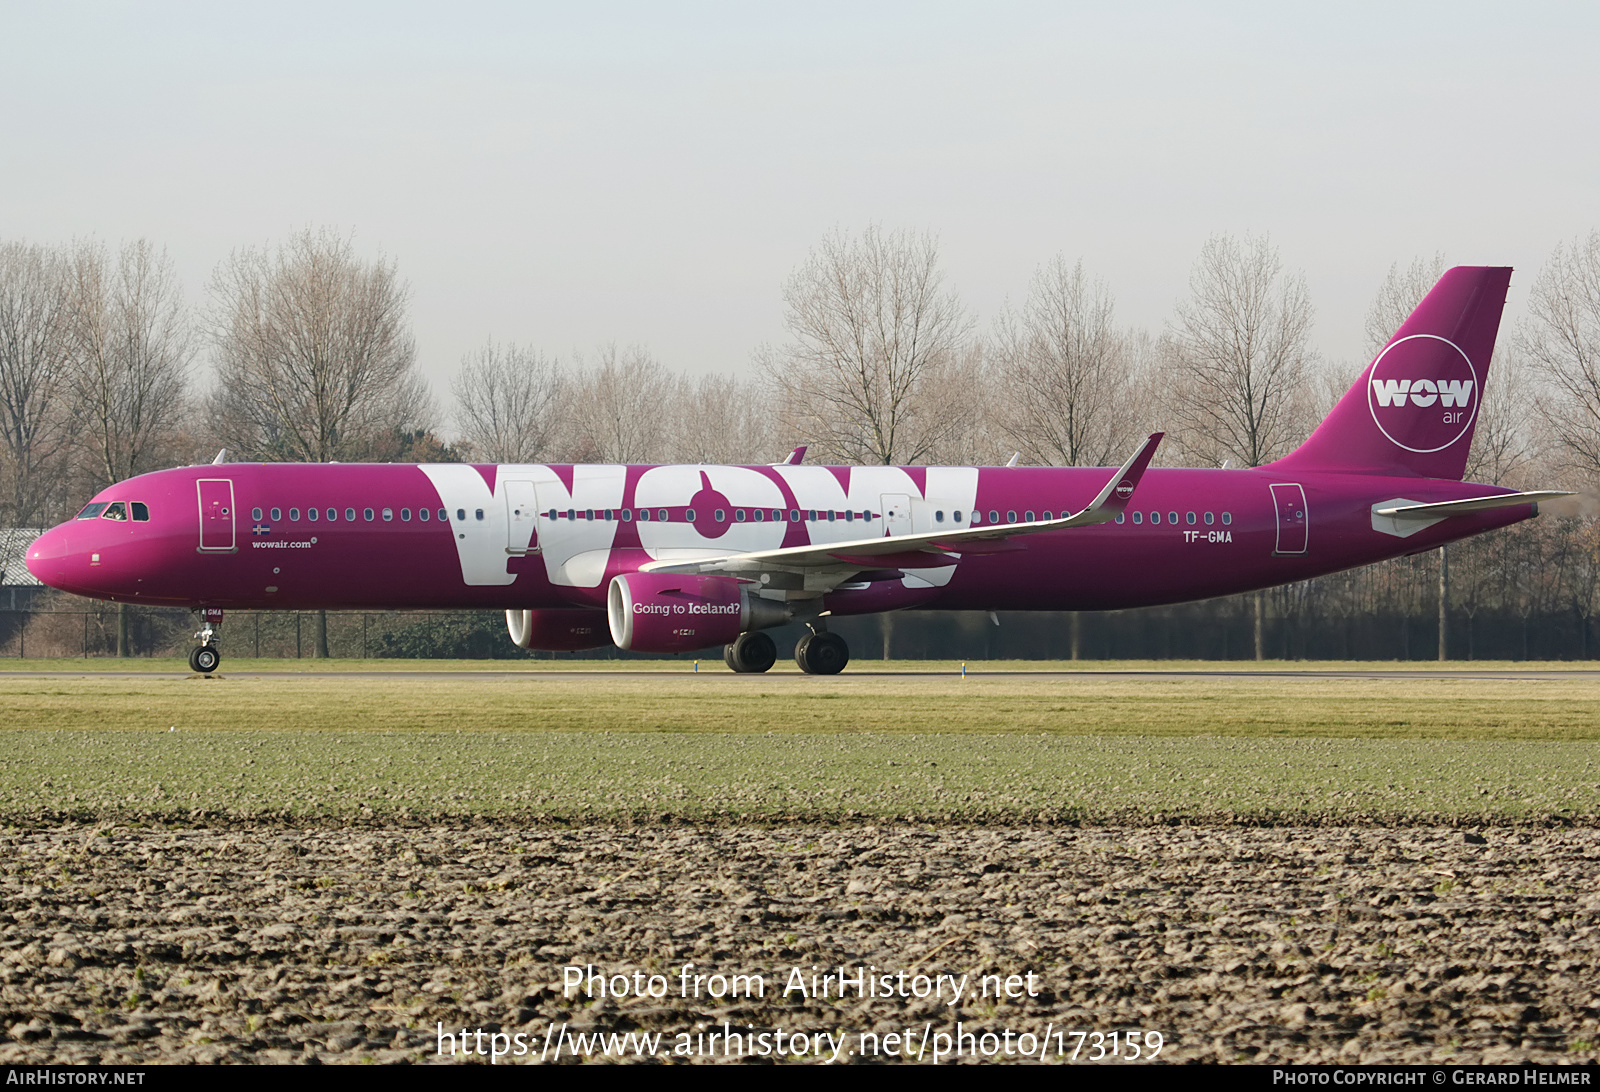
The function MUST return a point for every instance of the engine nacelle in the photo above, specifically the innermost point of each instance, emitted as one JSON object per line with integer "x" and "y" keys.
{"x": 669, "y": 612}
{"x": 558, "y": 630}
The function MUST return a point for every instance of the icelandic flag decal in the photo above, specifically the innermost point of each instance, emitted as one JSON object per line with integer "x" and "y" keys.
{"x": 261, "y": 529}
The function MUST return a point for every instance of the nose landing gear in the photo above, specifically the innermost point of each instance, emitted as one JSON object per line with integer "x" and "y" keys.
{"x": 206, "y": 659}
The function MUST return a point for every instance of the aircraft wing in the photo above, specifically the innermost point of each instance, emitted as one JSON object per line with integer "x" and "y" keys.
{"x": 1471, "y": 504}
{"x": 928, "y": 550}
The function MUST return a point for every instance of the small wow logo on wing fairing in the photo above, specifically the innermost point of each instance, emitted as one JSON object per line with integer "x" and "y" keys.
{"x": 1423, "y": 393}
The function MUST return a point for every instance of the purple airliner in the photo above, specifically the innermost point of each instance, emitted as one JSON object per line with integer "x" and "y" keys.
{"x": 678, "y": 558}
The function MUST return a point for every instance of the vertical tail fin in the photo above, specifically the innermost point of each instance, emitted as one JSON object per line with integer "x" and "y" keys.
{"x": 1414, "y": 408}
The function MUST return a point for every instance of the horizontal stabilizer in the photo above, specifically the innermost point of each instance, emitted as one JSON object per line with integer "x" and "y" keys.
{"x": 1471, "y": 504}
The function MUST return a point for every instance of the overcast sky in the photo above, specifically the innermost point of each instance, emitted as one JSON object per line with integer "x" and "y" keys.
{"x": 564, "y": 175}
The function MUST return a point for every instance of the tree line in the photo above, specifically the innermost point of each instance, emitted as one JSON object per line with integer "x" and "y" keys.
{"x": 303, "y": 352}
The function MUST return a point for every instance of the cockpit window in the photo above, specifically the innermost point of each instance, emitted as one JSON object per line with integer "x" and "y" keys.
{"x": 92, "y": 511}
{"x": 117, "y": 510}
{"x": 141, "y": 512}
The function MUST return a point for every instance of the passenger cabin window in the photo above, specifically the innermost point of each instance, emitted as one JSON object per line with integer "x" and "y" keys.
{"x": 1210, "y": 518}
{"x": 405, "y": 515}
{"x": 311, "y": 514}
{"x": 1155, "y": 517}
{"x": 333, "y": 515}
{"x": 1138, "y": 518}
{"x": 461, "y": 514}
{"x": 255, "y": 513}
{"x": 479, "y": 512}
{"x": 388, "y": 515}
{"x": 1227, "y": 518}
{"x": 294, "y": 514}
{"x": 350, "y": 515}
{"x": 277, "y": 514}
{"x": 422, "y": 514}
{"x": 367, "y": 513}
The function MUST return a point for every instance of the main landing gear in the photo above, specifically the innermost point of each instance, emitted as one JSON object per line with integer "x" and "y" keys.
{"x": 818, "y": 653}
{"x": 822, "y": 653}
{"x": 206, "y": 659}
{"x": 751, "y": 654}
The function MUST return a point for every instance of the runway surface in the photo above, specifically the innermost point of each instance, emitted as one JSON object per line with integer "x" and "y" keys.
{"x": 717, "y": 671}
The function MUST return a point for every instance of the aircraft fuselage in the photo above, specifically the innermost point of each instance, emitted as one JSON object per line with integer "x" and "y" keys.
{"x": 390, "y": 536}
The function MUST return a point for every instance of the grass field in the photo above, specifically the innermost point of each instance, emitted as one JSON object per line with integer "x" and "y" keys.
{"x": 599, "y": 746}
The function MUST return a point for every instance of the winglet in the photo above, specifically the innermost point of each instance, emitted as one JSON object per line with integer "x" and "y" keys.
{"x": 794, "y": 458}
{"x": 1119, "y": 490}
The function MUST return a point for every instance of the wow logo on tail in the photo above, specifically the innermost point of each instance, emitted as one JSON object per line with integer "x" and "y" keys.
{"x": 1422, "y": 392}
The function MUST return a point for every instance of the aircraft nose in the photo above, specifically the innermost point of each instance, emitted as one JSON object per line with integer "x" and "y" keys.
{"x": 51, "y": 559}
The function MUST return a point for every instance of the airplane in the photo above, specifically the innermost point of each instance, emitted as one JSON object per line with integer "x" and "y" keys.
{"x": 670, "y": 559}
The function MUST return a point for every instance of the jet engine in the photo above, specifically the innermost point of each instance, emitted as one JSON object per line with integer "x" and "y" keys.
{"x": 667, "y": 612}
{"x": 557, "y": 630}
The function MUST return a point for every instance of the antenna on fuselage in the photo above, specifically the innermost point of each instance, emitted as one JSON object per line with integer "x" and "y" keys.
{"x": 222, "y": 457}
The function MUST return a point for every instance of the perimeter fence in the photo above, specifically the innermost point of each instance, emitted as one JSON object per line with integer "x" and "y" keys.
{"x": 1292, "y": 628}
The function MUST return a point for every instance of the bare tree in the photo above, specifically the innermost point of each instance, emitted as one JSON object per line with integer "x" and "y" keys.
{"x": 619, "y": 411}
{"x": 1064, "y": 371}
{"x": 1561, "y": 339}
{"x": 872, "y": 326}
{"x": 1241, "y": 346}
{"x": 34, "y": 359}
{"x": 1398, "y": 296}
{"x": 315, "y": 359}
{"x": 509, "y": 403}
{"x": 132, "y": 346}
{"x": 964, "y": 392}
{"x": 722, "y": 419}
